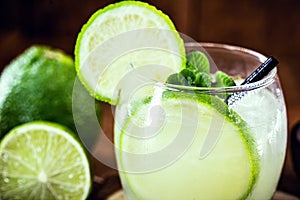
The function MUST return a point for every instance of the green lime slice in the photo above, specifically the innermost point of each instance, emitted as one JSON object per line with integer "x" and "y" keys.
{"x": 42, "y": 160}
{"x": 121, "y": 37}
{"x": 232, "y": 164}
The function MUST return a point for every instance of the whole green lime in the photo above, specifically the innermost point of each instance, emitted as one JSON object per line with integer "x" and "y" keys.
{"x": 38, "y": 85}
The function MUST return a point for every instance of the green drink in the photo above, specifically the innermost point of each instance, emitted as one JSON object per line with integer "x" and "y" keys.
{"x": 185, "y": 143}
{"x": 180, "y": 139}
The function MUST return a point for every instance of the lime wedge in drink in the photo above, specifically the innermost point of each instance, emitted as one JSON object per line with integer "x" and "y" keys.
{"x": 121, "y": 37}
{"x": 177, "y": 130}
{"x": 42, "y": 160}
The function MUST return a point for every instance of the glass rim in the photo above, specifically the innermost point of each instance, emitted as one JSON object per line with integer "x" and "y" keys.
{"x": 266, "y": 81}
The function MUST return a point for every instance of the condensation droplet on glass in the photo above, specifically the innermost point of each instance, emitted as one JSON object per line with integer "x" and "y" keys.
{"x": 4, "y": 157}
{"x": 38, "y": 149}
{"x": 278, "y": 92}
{"x": 73, "y": 190}
{"x": 28, "y": 137}
{"x": 21, "y": 181}
{"x": 70, "y": 176}
{"x": 4, "y": 172}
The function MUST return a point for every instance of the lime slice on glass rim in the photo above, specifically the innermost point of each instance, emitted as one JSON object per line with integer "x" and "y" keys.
{"x": 121, "y": 37}
{"x": 43, "y": 160}
{"x": 233, "y": 161}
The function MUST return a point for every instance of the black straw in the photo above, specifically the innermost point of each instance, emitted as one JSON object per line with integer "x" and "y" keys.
{"x": 261, "y": 71}
{"x": 257, "y": 75}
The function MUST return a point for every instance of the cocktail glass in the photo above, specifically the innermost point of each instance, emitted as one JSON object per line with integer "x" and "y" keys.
{"x": 180, "y": 142}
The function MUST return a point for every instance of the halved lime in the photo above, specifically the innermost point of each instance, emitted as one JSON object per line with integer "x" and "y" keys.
{"x": 171, "y": 152}
{"x": 122, "y": 37}
{"x": 42, "y": 160}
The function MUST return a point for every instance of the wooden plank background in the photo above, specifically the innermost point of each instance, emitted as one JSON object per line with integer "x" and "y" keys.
{"x": 268, "y": 26}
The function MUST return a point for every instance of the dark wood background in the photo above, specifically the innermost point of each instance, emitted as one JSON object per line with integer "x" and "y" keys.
{"x": 268, "y": 26}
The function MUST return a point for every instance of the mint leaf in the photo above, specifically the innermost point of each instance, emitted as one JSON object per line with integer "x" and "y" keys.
{"x": 189, "y": 76}
{"x": 176, "y": 79}
{"x": 197, "y": 60}
{"x": 203, "y": 80}
{"x": 223, "y": 80}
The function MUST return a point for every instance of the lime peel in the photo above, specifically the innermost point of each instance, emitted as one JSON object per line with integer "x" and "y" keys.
{"x": 38, "y": 85}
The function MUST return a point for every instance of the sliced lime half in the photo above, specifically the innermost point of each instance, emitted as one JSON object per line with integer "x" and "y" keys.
{"x": 122, "y": 37}
{"x": 41, "y": 160}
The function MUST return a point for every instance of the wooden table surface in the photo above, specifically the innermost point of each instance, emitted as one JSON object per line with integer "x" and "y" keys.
{"x": 109, "y": 188}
